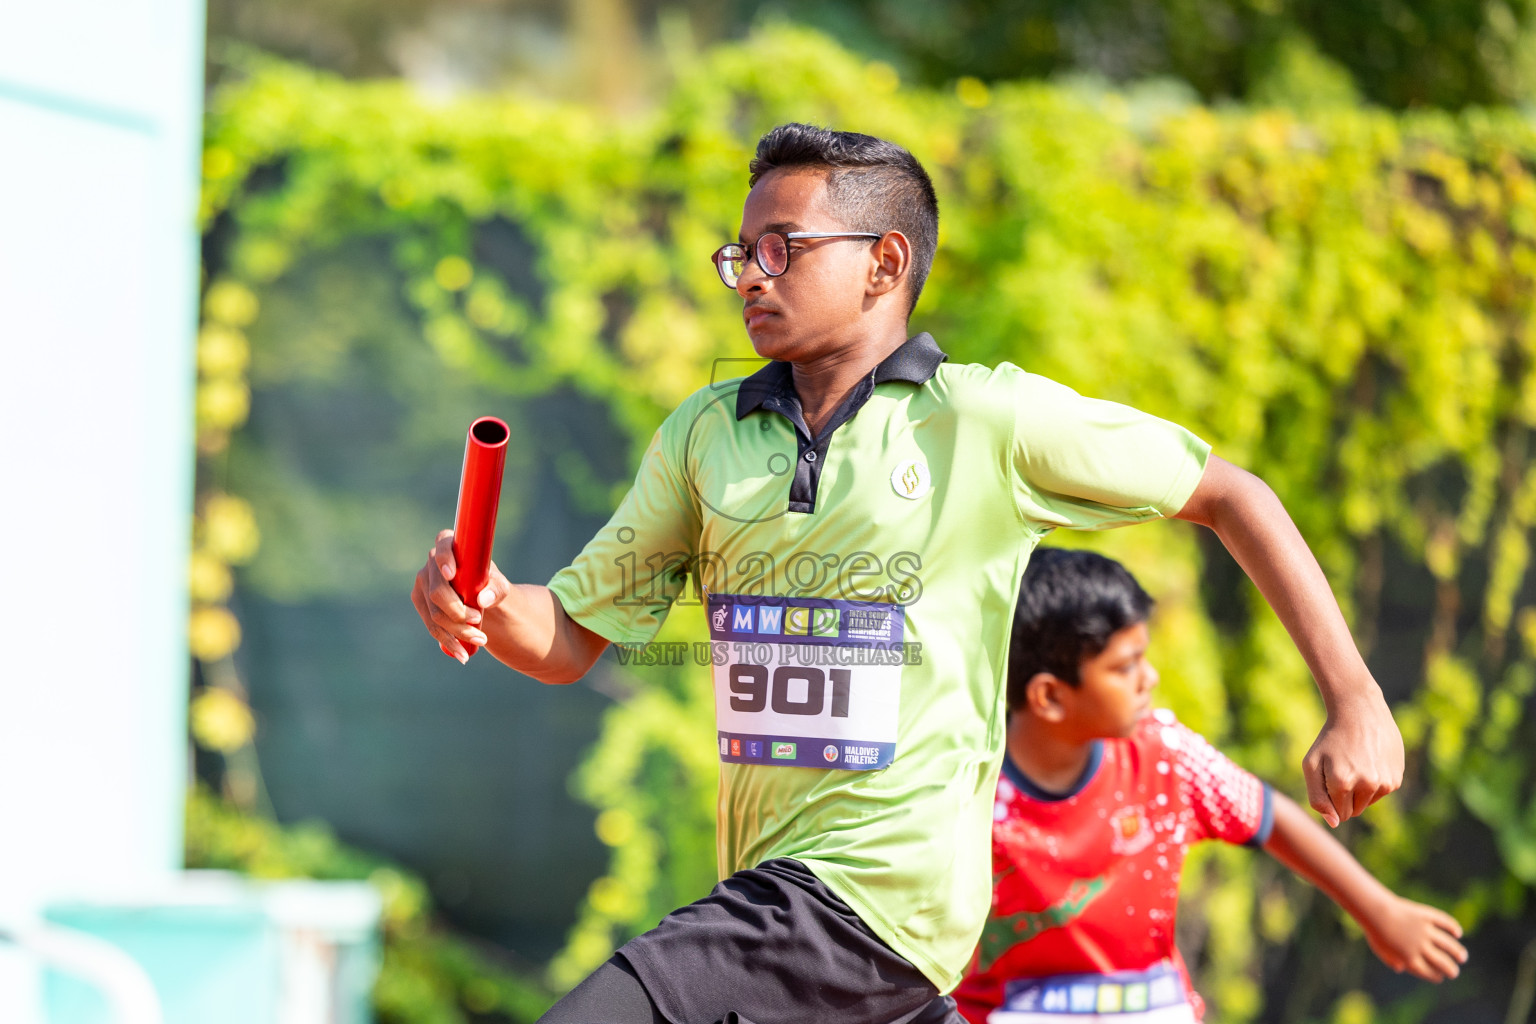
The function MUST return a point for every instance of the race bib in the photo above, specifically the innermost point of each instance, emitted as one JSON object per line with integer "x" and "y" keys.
{"x": 807, "y": 682}
{"x": 1153, "y": 996}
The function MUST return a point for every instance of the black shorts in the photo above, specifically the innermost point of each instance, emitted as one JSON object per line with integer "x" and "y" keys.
{"x": 770, "y": 945}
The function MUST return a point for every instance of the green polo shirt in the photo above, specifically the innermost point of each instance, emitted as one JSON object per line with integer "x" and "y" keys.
{"x": 859, "y": 586}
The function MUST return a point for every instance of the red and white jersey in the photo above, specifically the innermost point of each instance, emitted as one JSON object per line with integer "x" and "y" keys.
{"x": 1087, "y": 882}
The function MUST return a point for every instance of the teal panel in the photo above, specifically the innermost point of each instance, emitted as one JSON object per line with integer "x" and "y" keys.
{"x": 208, "y": 963}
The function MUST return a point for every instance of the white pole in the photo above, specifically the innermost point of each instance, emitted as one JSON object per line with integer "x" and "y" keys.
{"x": 115, "y": 974}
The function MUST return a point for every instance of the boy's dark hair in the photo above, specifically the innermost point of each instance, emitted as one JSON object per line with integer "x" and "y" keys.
{"x": 874, "y": 185}
{"x": 1070, "y": 604}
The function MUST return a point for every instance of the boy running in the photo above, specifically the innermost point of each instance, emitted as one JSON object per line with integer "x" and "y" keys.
{"x": 858, "y": 514}
{"x": 1099, "y": 801}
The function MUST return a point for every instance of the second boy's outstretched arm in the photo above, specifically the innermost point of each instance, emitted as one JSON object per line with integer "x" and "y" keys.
{"x": 1408, "y": 936}
{"x": 1358, "y": 757}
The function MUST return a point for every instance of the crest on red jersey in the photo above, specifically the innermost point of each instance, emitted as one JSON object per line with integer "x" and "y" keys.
{"x": 1132, "y": 831}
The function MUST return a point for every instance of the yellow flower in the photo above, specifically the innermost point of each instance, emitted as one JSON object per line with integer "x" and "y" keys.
{"x": 222, "y": 404}
{"x": 222, "y": 351}
{"x": 453, "y": 273}
{"x": 212, "y": 633}
{"x": 973, "y": 92}
{"x": 221, "y": 721}
{"x": 612, "y": 898}
{"x": 485, "y": 308}
{"x": 229, "y": 529}
{"x": 232, "y": 303}
{"x": 210, "y": 580}
{"x": 615, "y": 826}
{"x": 218, "y": 162}
{"x": 1354, "y": 1008}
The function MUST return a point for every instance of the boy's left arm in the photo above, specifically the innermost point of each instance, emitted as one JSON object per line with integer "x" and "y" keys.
{"x": 1408, "y": 936}
{"x": 1358, "y": 757}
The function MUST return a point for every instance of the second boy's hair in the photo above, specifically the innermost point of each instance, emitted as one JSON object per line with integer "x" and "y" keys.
{"x": 1070, "y": 604}
{"x": 874, "y": 186}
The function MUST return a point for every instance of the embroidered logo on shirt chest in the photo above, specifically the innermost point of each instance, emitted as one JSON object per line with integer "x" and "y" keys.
{"x": 910, "y": 479}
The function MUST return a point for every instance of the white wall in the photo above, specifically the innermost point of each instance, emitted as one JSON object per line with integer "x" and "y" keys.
{"x": 100, "y": 102}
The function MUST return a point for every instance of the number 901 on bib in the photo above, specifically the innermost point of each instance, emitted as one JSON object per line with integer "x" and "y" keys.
{"x": 809, "y": 683}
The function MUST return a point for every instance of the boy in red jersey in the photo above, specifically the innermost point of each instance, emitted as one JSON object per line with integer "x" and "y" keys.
{"x": 1099, "y": 801}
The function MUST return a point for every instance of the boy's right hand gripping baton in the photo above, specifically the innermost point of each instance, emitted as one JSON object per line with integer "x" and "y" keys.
{"x": 474, "y": 524}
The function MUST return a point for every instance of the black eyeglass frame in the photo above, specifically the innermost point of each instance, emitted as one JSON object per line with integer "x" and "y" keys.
{"x": 753, "y": 252}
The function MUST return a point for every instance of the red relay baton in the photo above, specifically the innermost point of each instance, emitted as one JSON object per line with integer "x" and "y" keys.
{"x": 474, "y": 524}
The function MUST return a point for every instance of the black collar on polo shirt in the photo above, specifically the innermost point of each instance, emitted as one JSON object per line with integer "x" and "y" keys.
{"x": 772, "y": 389}
{"x": 916, "y": 360}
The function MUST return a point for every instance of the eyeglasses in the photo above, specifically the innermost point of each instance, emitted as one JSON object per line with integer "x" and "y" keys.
{"x": 771, "y": 250}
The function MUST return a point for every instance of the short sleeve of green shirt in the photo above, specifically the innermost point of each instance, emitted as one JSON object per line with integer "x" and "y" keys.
{"x": 624, "y": 581}
{"x": 1087, "y": 464}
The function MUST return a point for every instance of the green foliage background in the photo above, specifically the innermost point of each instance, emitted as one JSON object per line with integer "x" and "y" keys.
{"x": 1341, "y": 302}
{"x": 1400, "y": 54}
